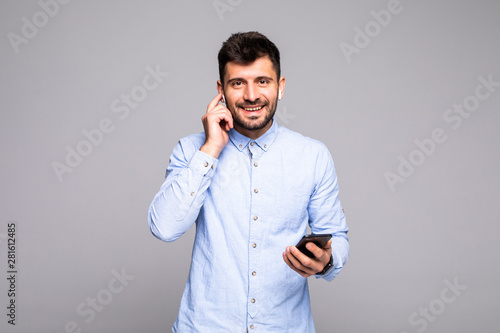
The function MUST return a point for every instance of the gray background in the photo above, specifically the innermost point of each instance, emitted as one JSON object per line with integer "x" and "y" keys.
{"x": 439, "y": 225}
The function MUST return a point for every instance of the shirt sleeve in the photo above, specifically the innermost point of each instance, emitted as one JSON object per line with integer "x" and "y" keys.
{"x": 326, "y": 214}
{"x": 177, "y": 204}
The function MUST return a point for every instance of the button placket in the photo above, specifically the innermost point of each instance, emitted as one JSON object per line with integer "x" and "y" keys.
{"x": 253, "y": 280}
{"x": 255, "y": 230}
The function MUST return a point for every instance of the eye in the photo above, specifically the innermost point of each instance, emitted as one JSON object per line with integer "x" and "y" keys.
{"x": 237, "y": 83}
{"x": 263, "y": 81}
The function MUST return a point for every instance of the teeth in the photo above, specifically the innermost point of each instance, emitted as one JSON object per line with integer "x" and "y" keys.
{"x": 254, "y": 109}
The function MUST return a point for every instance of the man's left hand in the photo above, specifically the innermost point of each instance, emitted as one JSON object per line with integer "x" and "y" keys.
{"x": 304, "y": 265}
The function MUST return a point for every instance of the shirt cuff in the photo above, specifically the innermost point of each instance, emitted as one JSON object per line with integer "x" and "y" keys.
{"x": 333, "y": 272}
{"x": 203, "y": 164}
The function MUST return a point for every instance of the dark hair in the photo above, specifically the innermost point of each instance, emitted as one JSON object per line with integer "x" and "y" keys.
{"x": 246, "y": 47}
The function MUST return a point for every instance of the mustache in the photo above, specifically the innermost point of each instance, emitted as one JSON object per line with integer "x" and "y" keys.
{"x": 250, "y": 103}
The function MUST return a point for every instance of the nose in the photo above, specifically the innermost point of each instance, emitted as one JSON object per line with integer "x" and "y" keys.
{"x": 251, "y": 93}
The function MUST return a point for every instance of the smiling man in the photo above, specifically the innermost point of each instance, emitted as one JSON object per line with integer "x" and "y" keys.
{"x": 252, "y": 187}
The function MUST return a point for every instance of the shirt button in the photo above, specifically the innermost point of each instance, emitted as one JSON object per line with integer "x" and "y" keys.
{"x": 254, "y": 273}
{"x": 254, "y": 245}
{"x": 192, "y": 193}
{"x": 252, "y": 300}
{"x": 252, "y": 327}
{"x": 256, "y": 190}
{"x": 255, "y": 218}
{"x": 265, "y": 146}
{"x": 240, "y": 146}
{"x": 252, "y": 143}
{"x": 206, "y": 164}
{"x": 256, "y": 164}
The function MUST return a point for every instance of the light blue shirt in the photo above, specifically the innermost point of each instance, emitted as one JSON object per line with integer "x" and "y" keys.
{"x": 249, "y": 204}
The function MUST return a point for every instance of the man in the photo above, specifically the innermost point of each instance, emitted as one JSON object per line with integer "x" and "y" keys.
{"x": 252, "y": 187}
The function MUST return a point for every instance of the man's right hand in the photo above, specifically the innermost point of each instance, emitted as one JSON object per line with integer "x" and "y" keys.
{"x": 216, "y": 122}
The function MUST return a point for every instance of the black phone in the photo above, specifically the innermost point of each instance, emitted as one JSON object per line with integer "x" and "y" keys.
{"x": 319, "y": 239}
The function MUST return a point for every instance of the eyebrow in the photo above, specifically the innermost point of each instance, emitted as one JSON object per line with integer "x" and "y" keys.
{"x": 258, "y": 78}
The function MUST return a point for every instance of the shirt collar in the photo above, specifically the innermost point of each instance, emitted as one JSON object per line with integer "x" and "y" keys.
{"x": 263, "y": 142}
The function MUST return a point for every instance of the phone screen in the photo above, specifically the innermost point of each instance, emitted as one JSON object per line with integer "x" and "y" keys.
{"x": 320, "y": 240}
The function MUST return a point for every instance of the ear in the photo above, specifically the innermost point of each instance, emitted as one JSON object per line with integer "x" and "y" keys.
{"x": 221, "y": 91}
{"x": 281, "y": 87}
{"x": 219, "y": 87}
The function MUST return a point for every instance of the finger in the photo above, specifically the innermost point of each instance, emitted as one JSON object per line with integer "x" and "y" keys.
{"x": 301, "y": 261}
{"x": 328, "y": 248}
{"x": 218, "y": 113}
{"x": 229, "y": 121}
{"x": 317, "y": 251}
{"x": 290, "y": 264}
{"x": 214, "y": 102}
{"x": 310, "y": 265}
{"x": 224, "y": 108}
{"x": 304, "y": 262}
{"x": 223, "y": 113}
{"x": 226, "y": 116}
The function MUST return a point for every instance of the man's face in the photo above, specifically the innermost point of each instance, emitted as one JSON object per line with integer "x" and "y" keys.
{"x": 251, "y": 93}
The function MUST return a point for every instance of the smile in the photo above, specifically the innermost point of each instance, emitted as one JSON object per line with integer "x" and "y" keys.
{"x": 254, "y": 109}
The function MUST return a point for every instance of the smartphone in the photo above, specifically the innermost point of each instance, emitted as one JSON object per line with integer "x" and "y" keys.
{"x": 319, "y": 239}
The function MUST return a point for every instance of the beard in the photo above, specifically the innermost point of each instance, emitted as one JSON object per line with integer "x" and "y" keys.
{"x": 252, "y": 123}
